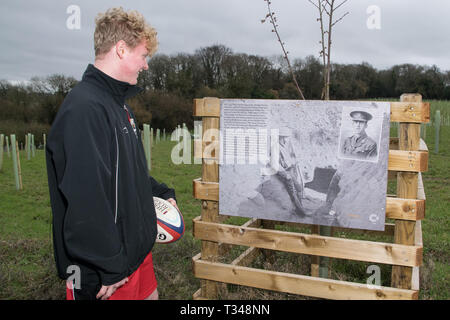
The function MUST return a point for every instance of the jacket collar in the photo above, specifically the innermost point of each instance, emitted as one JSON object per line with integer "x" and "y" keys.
{"x": 119, "y": 89}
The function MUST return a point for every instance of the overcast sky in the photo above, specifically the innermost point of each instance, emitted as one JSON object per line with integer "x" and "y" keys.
{"x": 35, "y": 39}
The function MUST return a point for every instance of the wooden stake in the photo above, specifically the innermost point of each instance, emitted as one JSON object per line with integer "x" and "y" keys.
{"x": 210, "y": 209}
{"x": 407, "y": 182}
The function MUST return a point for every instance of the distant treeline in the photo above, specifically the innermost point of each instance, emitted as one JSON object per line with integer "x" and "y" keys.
{"x": 171, "y": 82}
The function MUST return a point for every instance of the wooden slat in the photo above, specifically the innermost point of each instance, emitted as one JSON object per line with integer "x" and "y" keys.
{"x": 416, "y": 112}
{"x": 295, "y": 284}
{"x": 207, "y": 107}
{"x": 408, "y": 161}
{"x": 405, "y": 209}
{"x": 399, "y": 160}
{"x": 396, "y": 208}
{"x": 198, "y": 295}
{"x": 309, "y": 244}
{"x": 224, "y": 248}
{"x": 205, "y": 190}
{"x": 408, "y": 111}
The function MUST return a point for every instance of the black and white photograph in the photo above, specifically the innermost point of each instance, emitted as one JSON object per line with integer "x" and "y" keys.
{"x": 360, "y": 134}
{"x": 297, "y": 171}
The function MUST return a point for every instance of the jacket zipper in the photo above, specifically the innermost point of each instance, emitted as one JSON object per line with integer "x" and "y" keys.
{"x": 117, "y": 176}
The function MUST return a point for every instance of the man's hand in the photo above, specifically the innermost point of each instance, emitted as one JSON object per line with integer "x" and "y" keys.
{"x": 173, "y": 202}
{"x": 107, "y": 291}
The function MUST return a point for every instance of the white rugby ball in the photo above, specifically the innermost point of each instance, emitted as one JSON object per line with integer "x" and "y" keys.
{"x": 169, "y": 221}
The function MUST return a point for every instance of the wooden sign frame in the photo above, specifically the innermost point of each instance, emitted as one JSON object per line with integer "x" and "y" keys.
{"x": 408, "y": 157}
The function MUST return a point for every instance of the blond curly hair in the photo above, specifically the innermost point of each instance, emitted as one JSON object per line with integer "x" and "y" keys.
{"x": 116, "y": 24}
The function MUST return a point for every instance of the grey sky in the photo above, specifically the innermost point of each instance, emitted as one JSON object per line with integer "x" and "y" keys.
{"x": 36, "y": 42}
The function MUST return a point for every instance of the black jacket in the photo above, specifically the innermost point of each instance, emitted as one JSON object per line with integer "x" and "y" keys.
{"x": 101, "y": 194}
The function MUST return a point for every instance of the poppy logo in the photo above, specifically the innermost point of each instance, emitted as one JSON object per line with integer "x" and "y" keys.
{"x": 374, "y": 218}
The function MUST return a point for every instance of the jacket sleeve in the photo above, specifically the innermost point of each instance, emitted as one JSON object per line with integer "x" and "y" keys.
{"x": 90, "y": 234}
{"x": 161, "y": 190}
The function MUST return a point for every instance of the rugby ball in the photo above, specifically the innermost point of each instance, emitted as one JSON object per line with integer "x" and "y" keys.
{"x": 169, "y": 221}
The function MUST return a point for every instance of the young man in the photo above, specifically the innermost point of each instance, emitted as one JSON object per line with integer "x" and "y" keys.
{"x": 360, "y": 145}
{"x": 104, "y": 221}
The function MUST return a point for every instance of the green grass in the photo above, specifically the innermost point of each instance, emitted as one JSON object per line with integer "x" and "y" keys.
{"x": 27, "y": 269}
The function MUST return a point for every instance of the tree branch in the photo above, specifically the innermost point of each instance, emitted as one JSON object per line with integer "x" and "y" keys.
{"x": 273, "y": 20}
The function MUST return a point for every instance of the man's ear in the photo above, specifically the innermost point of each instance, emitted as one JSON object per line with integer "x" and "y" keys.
{"x": 121, "y": 48}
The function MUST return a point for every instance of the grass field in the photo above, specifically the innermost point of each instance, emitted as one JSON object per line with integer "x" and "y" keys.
{"x": 27, "y": 269}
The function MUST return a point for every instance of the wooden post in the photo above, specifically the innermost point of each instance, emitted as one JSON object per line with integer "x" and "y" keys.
{"x": 320, "y": 266}
{"x": 407, "y": 182}
{"x": 437, "y": 124}
{"x": 2, "y": 139}
{"x": 158, "y": 135}
{"x": 15, "y": 160}
{"x": 315, "y": 260}
{"x": 164, "y": 134}
{"x": 45, "y": 141}
{"x": 147, "y": 148}
{"x": 210, "y": 209}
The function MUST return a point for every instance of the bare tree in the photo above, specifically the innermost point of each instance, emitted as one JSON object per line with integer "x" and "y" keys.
{"x": 327, "y": 10}
{"x": 273, "y": 21}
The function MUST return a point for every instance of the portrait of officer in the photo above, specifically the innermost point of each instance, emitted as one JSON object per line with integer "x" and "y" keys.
{"x": 359, "y": 145}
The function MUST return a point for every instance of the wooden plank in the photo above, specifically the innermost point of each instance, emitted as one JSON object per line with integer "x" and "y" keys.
{"x": 396, "y": 208}
{"x": 407, "y": 185}
{"x": 340, "y": 248}
{"x": 198, "y": 295}
{"x": 410, "y": 111}
{"x": 405, "y": 209}
{"x": 207, "y": 107}
{"x": 416, "y": 112}
{"x": 408, "y": 161}
{"x": 224, "y": 248}
{"x": 295, "y": 284}
{"x": 205, "y": 190}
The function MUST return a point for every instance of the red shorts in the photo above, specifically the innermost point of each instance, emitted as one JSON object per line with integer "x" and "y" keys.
{"x": 140, "y": 285}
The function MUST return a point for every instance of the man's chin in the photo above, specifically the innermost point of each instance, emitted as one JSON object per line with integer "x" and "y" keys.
{"x": 132, "y": 82}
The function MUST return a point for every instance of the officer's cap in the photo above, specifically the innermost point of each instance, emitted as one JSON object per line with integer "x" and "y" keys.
{"x": 360, "y": 116}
